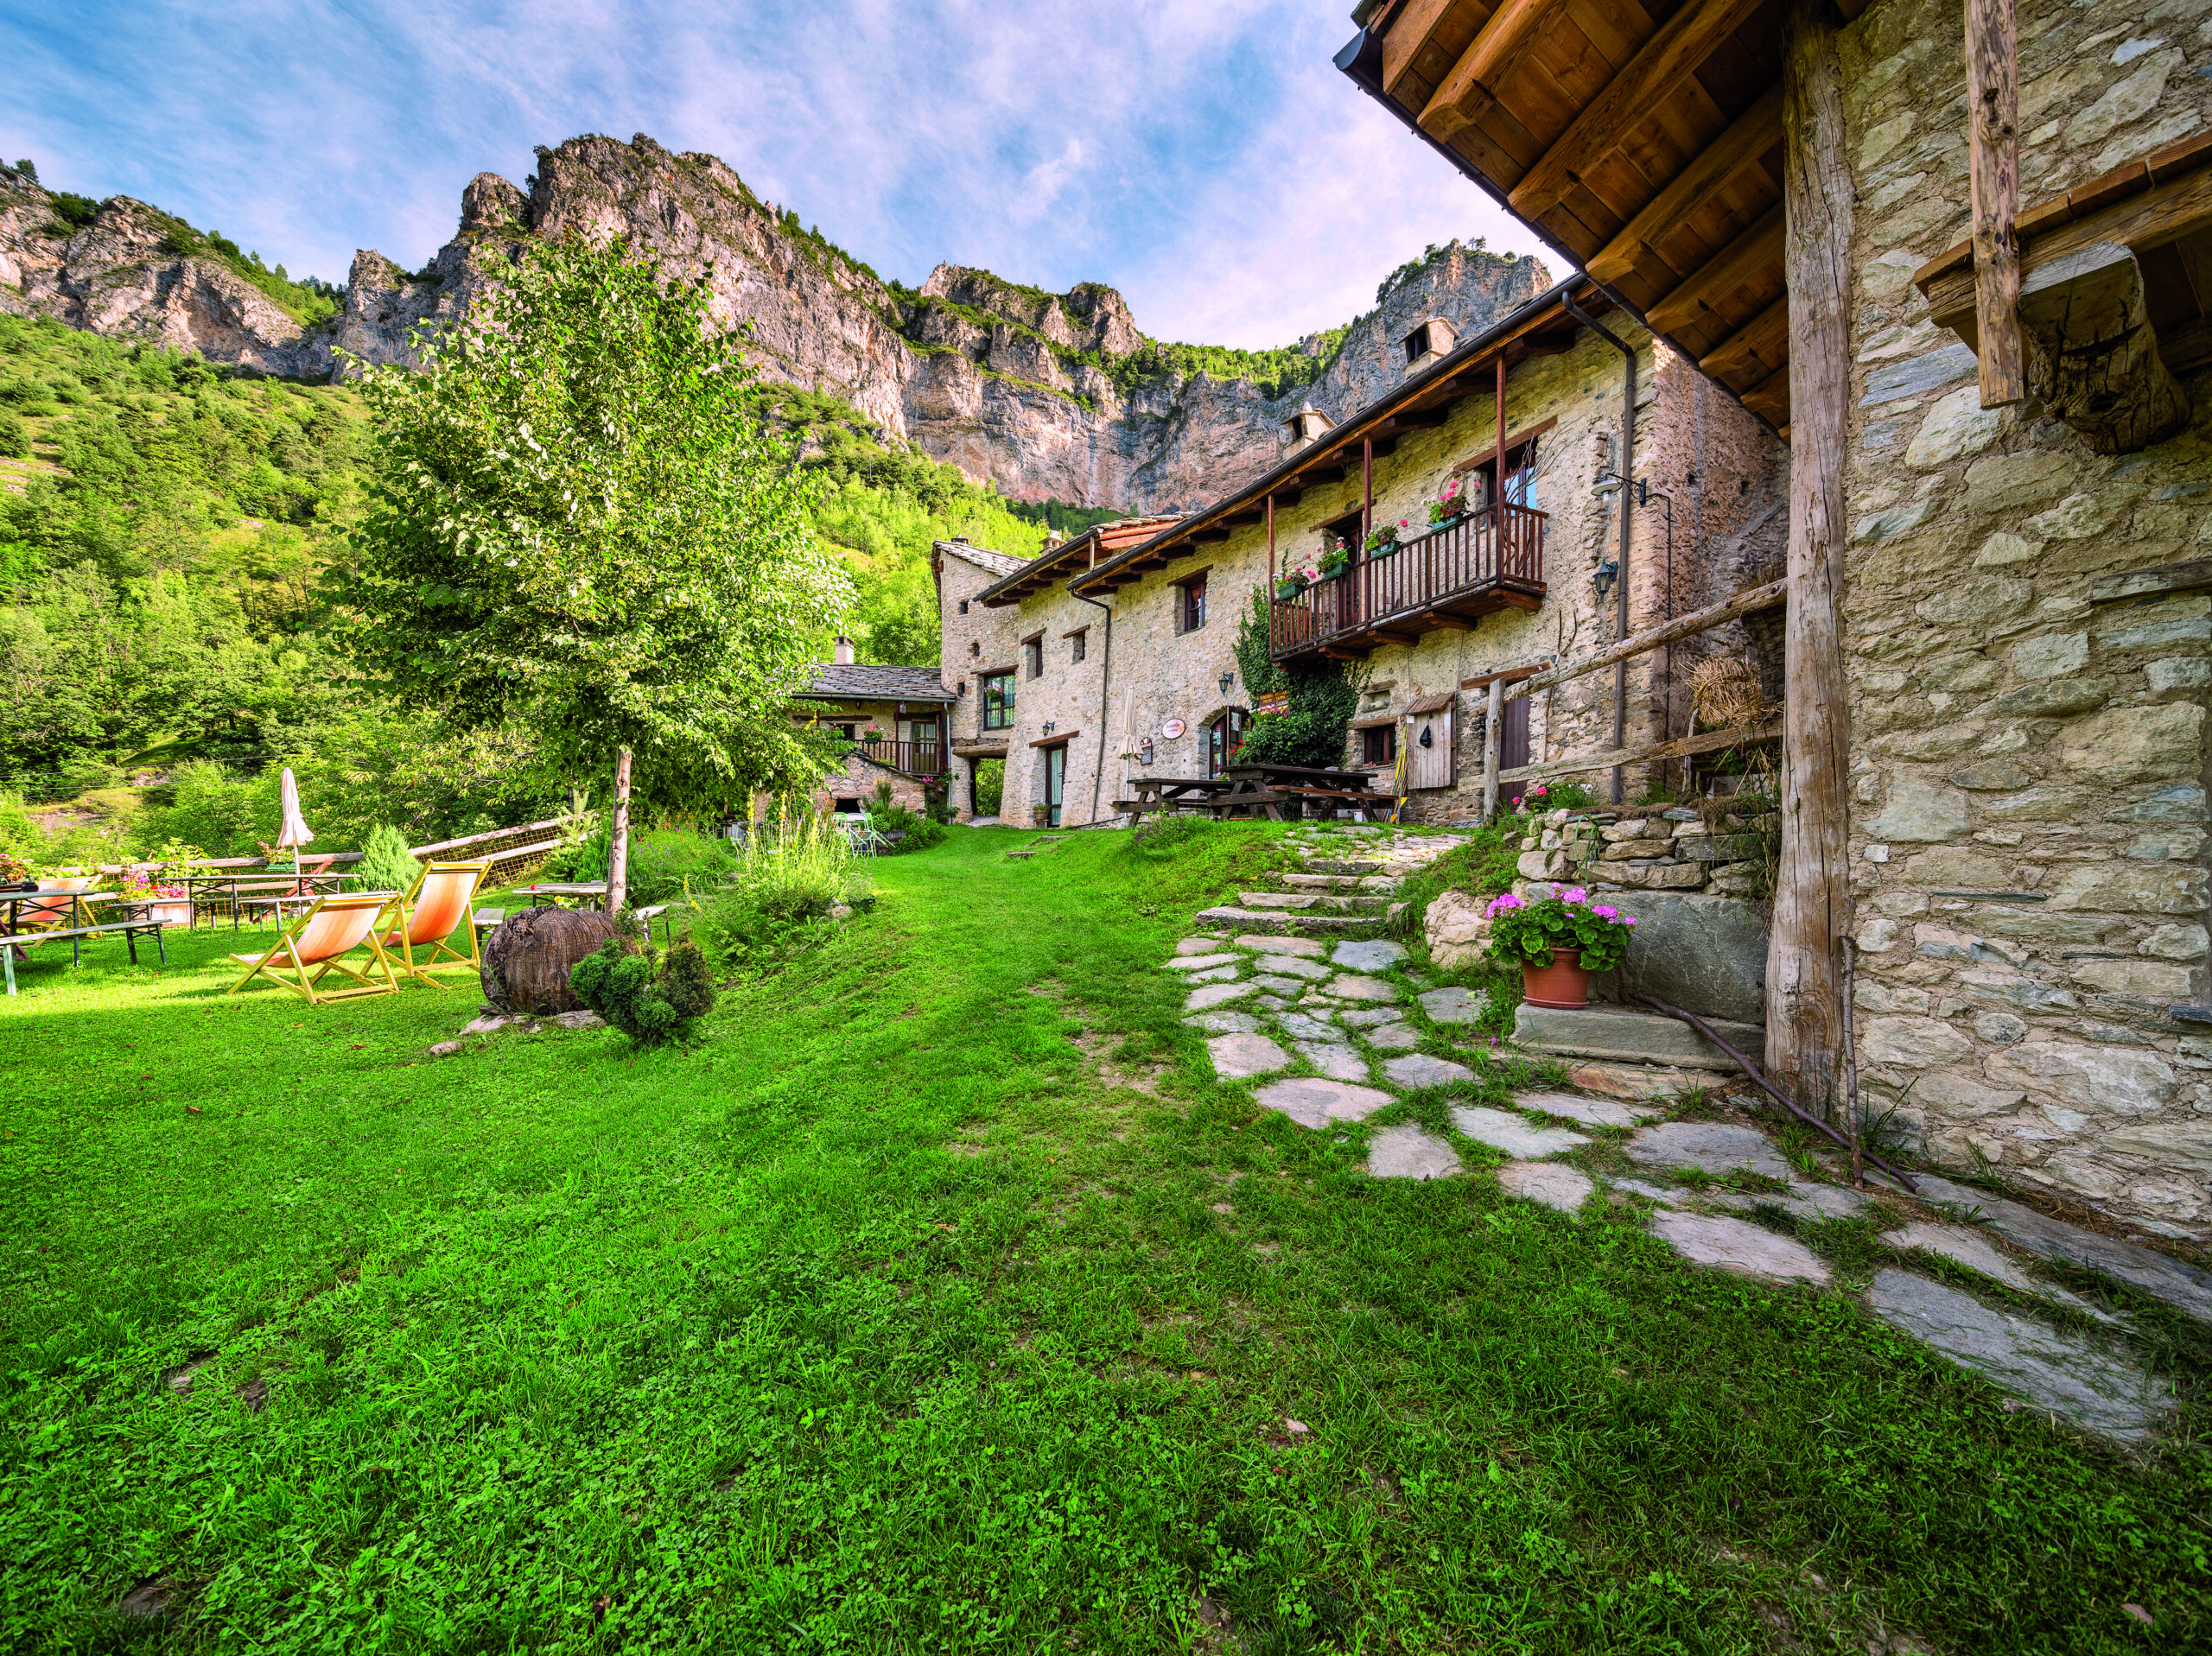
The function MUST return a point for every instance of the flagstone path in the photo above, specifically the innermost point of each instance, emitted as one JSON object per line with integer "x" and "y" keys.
{"x": 1333, "y": 1031}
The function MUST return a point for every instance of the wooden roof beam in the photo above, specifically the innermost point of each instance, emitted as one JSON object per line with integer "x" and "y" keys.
{"x": 1412, "y": 44}
{"x": 1758, "y": 347}
{"x": 1733, "y": 267}
{"x": 1491, "y": 61}
{"x": 1719, "y": 164}
{"x": 1667, "y": 60}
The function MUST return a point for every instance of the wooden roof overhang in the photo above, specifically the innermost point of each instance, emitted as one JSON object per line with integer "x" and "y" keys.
{"x": 1643, "y": 141}
{"x": 1422, "y": 402}
{"x": 1099, "y": 541}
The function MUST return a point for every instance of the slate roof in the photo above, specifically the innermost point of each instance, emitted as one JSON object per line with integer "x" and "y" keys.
{"x": 997, "y": 564}
{"x": 866, "y": 681}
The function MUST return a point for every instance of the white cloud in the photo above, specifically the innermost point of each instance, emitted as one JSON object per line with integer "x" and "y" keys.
{"x": 1203, "y": 156}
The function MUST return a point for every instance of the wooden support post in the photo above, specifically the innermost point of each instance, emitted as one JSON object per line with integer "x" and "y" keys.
{"x": 1993, "y": 166}
{"x": 1493, "y": 740}
{"x": 1366, "y": 492}
{"x": 1804, "y": 1026}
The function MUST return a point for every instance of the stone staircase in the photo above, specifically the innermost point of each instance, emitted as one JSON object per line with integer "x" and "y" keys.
{"x": 1332, "y": 893}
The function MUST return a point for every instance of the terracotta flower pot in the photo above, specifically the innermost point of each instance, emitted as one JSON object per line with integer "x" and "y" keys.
{"x": 1563, "y": 985}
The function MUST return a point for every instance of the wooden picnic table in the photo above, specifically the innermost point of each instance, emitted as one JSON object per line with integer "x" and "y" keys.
{"x": 243, "y": 886}
{"x": 1172, "y": 794}
{"x": 17, "y": 943}
{"x": 1268, "y": 788}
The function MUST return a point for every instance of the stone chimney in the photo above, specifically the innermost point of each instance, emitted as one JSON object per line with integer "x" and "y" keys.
{"x": 1427, "y": 342}
{"x": 844, "y": 650}
{"x": 1304, "y": 428}
{"x": 1053, "y": 538}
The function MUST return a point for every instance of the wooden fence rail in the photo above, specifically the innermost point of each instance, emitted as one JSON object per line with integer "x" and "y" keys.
{"x": 1683, "y": 627}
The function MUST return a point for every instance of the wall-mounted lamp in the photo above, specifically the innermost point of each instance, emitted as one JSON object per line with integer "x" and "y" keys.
{"x": 1048, "y": 728}
{"x": 1608, "y": 483}
{"x": 1228, "y": 683}
{"x": 1603, "y": 576}
{"x": 1144, "y": 753}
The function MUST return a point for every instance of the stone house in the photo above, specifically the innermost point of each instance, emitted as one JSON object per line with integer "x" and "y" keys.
{"x": 1993, "y": 379}
{"x": 1112, "y": 656}
{"x": 896, "y": 719}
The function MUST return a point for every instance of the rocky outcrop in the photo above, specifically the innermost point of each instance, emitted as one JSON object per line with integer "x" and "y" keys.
{"x": 1043, "y": 395}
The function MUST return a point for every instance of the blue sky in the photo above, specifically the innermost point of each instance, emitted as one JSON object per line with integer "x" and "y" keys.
{"x": 1202, "y": 156}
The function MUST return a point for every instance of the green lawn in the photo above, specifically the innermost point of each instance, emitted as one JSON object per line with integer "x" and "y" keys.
{"x": 887, "y": 1317}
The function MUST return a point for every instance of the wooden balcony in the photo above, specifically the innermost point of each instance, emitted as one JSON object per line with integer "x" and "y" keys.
{"x": 1446, "y": 578}
{"x": 915, "y": 759}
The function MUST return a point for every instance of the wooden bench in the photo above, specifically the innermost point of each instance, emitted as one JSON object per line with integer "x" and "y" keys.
{"x": 76, "y": 935}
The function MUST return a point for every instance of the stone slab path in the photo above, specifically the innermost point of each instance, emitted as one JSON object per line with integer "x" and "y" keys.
{"x": 1327, "y": 1035}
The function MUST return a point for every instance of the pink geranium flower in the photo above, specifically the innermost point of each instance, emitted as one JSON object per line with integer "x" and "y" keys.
{"x": 1604, "y": 912}
{"x": 1578, "y": 895}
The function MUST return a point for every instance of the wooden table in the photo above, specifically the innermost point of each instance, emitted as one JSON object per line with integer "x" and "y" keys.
{"x": 1268, "y": 788}
{"x": 1172, "y": 794}
{"x": 592, "y": 893}
{"x": 15, "y": 942}
{"x": 256, "y": 885}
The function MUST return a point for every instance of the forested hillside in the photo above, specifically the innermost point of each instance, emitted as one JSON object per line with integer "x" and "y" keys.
{"x": 168, "y": 528}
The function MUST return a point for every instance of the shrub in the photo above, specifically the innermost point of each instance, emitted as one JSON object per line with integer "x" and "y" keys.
{"x": 649, "y": 998}
{"x": 886, "y": 816}
{"x": 387, "y": 864}
{"x": 580, "y": 860}
{"x": 666, "y": 861}
{"x": 15, "y": 437}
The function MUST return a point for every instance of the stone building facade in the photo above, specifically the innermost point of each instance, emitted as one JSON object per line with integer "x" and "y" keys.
{"x": 895, "y": 718}
{"x": 2028, "y": 756}
{"x": 1149, "y": 699}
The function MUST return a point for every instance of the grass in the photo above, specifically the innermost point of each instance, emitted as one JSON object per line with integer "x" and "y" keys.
{"x": 937, "y": 1299}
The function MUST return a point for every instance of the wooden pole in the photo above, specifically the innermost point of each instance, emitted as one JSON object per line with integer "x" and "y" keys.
{"x": 1366, "y": 492}
{"x": 618, "y": 852}
{"x": 1994, "y": 166}
{"x": 1812, "y": 885}
{"x": 1744, "y": 603}
{"x": 1497, "y": 469}
{"x": 1493, "y": 737}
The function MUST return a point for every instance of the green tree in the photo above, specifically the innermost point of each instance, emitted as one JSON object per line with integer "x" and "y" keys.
{"x": 582, "y": 529}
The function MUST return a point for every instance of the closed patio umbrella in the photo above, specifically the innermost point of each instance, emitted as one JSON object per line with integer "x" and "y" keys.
{"x": 296, "y": 832}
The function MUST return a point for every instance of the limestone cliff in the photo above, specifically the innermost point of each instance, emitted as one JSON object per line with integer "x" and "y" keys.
{"x": 1045, "y": 395}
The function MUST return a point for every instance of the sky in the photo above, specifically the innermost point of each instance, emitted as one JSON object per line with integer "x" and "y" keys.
{"x": 1203, "y": 156}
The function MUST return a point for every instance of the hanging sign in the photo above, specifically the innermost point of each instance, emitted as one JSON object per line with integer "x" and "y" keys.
{"x": 1274, "y": 702}
{"x": 1173, "y": 729}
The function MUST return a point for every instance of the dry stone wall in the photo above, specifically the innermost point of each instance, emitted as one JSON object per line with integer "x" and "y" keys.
{"x": 2028, "y": 766}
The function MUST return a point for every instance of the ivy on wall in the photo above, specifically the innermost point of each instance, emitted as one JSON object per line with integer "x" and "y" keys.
{"x": 1323, "y": 699}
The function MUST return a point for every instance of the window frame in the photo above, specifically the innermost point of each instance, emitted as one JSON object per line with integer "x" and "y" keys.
{"x": 1033, "y": 656}
{"x": 1189, "y": 585}
{"x": 1367, "y": 735}
{"x": 1078, "y": 644}
{"x": 1004, "y": 683}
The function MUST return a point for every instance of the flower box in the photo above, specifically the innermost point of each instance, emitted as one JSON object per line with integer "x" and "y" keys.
{"x": 1336, "y": 562}
{"x": 1289, "y": 588}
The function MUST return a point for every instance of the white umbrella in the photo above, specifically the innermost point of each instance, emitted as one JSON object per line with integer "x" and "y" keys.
{"x": 296, "y": 832}
{"x": 1132, "y": 741}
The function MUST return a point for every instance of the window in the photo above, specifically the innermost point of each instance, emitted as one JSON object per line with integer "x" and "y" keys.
{"x": 848, "y": 807}
{"x": 963, "y": 606}
{"x": 1033, "y": 656}
{"x": 1076, "y": 641}
{"x": 1520, "y": 476}
{"x": 1191, "y": 605}
{"x": 1379, "y": 745}
{"x": 1223, "y": 736}
{"x": 845, "y": 730}
{"x": 998, "y": 701}
{"x": 1417, "y": 343}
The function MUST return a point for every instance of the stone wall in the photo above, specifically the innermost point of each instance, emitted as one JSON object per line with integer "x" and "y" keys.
{"x": 2028, "y": 766}
{"x": 972, "y": 641}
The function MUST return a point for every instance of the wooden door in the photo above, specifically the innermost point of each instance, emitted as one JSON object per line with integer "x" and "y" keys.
{"x": 1056, "y": 774}
{"x": 1429, "y": 750}
{"x": 1513, "y": 748}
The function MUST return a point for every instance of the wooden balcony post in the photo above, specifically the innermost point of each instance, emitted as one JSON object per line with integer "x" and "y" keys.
{"x": 1812, "y": 885}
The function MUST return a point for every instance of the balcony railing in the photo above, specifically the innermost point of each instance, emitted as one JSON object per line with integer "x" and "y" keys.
{"x": 915, "y": 759}
{"x": 1485, "y": 560}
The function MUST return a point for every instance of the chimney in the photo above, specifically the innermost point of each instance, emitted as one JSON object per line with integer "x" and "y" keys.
{"x": 1304, "y": 428}
{"x": 1053, "y": 538}
{"x": 1427, "y": 342}
{"x": 844, "y": 650}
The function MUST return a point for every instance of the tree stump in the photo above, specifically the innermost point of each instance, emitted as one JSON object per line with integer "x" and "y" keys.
{"x": 526, "y": 960}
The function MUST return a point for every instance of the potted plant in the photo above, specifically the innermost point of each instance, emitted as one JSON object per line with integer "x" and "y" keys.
{"x": 155, "y": 899}
{"x": 1383, "y": 539}
{"x": 1039, "y": 812}
{"x": 1559, "y": 941}
{"x": 1447, "y": 505}
{"x": 1295, "y": 578}
{"x": 1336, "y": 559}
{"x": 872, "y": 733}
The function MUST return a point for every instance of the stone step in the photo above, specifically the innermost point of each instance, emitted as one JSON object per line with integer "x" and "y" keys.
{"x": 1614, "y": 1032}
{"x": 1313, "y": 902}
{"x": 1292, "y": 923}
{"x": 1339, "y": 866}
{"x": 1339, "y": 882}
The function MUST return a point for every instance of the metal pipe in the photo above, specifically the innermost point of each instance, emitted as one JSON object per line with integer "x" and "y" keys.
{"x": 1772, "y": 1091}
{"x": 1628, "y": 519}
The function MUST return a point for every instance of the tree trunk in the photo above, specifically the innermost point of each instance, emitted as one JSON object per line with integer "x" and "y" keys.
{"x": 1812, "y": 889}
{"x": 618, "y": 850}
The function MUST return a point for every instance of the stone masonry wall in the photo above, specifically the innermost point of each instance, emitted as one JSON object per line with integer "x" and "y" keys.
{"x": 2028, "y": 840}
{"x": 969, "y": 644}
{"x": 1720, "y": 466}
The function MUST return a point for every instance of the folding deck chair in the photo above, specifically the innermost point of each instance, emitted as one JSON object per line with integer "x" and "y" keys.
{"x": 311, "y": 949}
{"x": 427, "y": 915}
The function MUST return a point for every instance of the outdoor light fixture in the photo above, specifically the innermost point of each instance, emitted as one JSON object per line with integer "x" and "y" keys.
{"x": 1228, "y": 683}
{"x": 1048, "y": 728}
{"x": 1144, "y": 753}
{"x": 1603, "y": 576}
{"x": 1608, "y": 483}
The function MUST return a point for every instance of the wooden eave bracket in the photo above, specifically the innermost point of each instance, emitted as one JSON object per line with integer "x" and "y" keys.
{"x": 2097, "y": 357}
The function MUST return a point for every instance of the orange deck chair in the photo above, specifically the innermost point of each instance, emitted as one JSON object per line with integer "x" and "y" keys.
{"x": 438, "y": 904}
{"x": 311, "y": 949}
